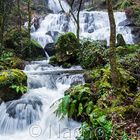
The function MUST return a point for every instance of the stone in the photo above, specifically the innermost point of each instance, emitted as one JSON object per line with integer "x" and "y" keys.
{"x": 50, "y": 49}
{"x": 9, "y": 80}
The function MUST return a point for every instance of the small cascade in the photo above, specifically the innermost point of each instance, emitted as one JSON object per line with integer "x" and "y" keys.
{"x": 32, "y": 116}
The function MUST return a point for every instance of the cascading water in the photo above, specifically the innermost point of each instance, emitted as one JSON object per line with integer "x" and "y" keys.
{"x": 32, "y": 117}
{"x": 94, "y": 25}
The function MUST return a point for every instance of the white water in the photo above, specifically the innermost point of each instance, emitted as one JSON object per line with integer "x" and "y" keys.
{"x": 54, "y": 5}
{"x": 33, "y": 117}
{"x": 94, "y": 25}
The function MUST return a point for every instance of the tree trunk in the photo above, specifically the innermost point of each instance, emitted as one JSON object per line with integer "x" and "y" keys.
{"x": 113, "y": 63}
{"x": 29, "y": 19}
{"x": 2, "y": 24}
{"x": 78, "y": 20}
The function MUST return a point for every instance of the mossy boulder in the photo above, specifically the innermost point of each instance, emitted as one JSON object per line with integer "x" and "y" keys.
{"x": 66, "y": 47}
{"x": 22, "y": 46}
{"x": 120, "y": 40}
{"x": 13, "y": 84}
{"x": 93, "y": 54}
{"x": 129, "y": 58}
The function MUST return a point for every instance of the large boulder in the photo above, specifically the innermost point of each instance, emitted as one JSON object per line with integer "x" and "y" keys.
{"x": 93, "y": 54}
{"x": 13, "y": 84}
{"x": 133, "y": 15}
{"x": 22, "y": 46}
{"x": 67, "y": 47}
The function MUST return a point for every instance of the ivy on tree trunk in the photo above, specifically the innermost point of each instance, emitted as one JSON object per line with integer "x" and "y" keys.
{"x": 113, "y": 63}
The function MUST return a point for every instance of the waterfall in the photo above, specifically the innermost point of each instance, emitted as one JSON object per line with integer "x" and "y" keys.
{"x": 54, "y": 5}
{"x": 94, "y": 25}
{"x": 32, "y": 117}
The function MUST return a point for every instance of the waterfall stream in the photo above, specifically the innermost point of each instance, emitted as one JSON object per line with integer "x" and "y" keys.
{"x": 32, "y": 117}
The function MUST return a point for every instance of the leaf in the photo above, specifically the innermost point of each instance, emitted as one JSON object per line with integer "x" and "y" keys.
{"x": 72, "y": 108}
{"x": 89, "y": 107}
{"x": 80, "y": 109}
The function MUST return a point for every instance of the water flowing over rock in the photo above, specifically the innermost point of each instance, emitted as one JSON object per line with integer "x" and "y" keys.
{"x": 94, "y": 25}
{"x": 33, "y": 115}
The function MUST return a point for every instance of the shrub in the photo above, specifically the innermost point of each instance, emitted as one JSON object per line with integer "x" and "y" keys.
{"x": 77, "y": 103}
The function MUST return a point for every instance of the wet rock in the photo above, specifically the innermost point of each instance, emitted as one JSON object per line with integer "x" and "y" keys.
{"x": 90, "y": 30}
{"x": 53, "y": 34}
{"x": 24, "y": 105}
{"x": 136, "y": 34}
{"x": 50, "y": 49}
{"x": 126, "y": 22}
{"x": 76, "y": 83}
{"x": 36, "y": 22}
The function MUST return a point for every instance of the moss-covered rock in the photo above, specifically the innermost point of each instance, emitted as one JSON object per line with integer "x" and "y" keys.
{"x": 13, "y": 83}
{"x": 66, "y": 48}
{"x": 129, "y": 58}
{"x": 22, "y": 46}
{"x": 93, "y": 54}
{"x": 120, "y": 40}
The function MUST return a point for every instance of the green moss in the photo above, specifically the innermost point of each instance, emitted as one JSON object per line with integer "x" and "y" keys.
{"x": 67, "y": 47}
{"x": 13, "y": 76}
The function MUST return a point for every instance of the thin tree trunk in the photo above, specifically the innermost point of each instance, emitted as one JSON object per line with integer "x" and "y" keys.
{"x": 2, "y": 24}
{"x": 113, "y": 63}
{"x": 29, "y": 19}
{"x": 19, "y": 24}
{"x": 78, "y": 20}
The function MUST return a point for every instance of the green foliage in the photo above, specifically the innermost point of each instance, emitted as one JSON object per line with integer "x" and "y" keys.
{"x": 93, "y": 54}
{"x": 77, "y": 103}
{"x": 19, "y": 89}
{"x": 12, "y": 77}
{"x": 137, "y": 100}
{"x": 98, "y": 128}
{"x": 124, "y": 4}
{"x": 6, "y": 56}
{"x": 13, "y": 84}
{"x": 129, "y": 58}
